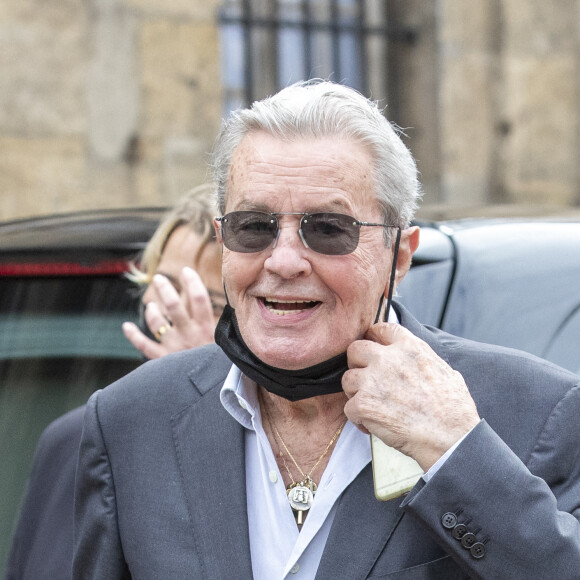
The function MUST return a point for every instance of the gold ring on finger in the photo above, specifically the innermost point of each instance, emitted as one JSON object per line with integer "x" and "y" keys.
{"x": 161, "y": 331}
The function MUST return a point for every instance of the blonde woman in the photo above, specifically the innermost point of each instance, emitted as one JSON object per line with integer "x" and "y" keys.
{"x": 181, "y": 268}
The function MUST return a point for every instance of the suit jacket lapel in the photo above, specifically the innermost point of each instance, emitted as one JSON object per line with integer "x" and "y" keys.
{"x": 348, "y": 552}
{"x": 210, "y": 449}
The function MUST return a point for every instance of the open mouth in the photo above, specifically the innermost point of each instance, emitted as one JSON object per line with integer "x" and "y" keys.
{"x": 283, "y": 307}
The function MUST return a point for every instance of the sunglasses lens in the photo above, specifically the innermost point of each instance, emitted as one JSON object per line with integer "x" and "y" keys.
{"x": 332, "y": 234}
{"x": 248, "y": 231}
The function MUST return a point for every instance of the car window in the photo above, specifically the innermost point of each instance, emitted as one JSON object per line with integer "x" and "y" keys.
{"x": 60, "y": 340}
{"x": 515, "y": 284}
{"x": 424, "y": 291}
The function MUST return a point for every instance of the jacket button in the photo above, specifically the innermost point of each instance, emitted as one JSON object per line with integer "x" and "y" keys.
{"x": 478, "y": 550}
{"x": 449, "y": 520}
{"x": 468, "y": 540}
{"x": 459, "y": 531}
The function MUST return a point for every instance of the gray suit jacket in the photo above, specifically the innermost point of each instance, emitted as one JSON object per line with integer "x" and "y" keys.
{"x": 161, "y": 487}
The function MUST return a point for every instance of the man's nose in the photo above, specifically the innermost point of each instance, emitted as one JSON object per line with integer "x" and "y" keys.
{"x": 289, "y": 253}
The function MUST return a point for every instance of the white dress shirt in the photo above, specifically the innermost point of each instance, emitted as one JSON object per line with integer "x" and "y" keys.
{"x": 278, "y": 549}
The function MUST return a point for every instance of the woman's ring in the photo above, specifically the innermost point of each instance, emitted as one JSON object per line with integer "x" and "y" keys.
{"x": 161, "y": 331}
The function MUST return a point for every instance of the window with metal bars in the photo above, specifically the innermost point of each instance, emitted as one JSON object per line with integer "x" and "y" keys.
{"x": 269, "y": 44}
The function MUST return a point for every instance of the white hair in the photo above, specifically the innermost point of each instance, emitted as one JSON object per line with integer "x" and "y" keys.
{"x": 318, "y": 108}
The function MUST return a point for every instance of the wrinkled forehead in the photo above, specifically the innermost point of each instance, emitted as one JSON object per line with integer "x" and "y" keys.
{"x": 330, "y": 173}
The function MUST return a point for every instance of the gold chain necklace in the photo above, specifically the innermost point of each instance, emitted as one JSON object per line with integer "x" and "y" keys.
{"x": 300, "y": 494}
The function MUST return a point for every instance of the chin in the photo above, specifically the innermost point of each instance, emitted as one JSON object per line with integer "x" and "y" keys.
{"x": 289, "y": 356}
{"x": 281, "y": 360}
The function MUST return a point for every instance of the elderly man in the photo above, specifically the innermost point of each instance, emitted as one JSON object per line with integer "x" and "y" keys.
{"x": 192, "y": 467}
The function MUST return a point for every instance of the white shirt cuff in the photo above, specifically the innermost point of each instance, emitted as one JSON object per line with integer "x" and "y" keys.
{"x": 437, "y": 465}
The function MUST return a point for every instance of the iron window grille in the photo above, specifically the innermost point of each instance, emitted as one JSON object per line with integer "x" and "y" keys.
{"x": 269, "y": 44}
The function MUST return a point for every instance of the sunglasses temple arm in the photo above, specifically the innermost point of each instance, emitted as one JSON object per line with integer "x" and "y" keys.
{"x": 393, "y": 272}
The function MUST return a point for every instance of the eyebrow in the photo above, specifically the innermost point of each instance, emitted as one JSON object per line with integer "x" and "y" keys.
{"x": 332, "y": 206}
{"x": 247, "y": 205}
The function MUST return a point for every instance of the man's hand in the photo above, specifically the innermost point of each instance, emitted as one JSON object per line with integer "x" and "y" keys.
{"x": 402, "y": 392}
{"x": 179, "y": 322}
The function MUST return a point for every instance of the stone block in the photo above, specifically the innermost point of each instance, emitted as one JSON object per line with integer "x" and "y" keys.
{"x": 108, "y": 184}
{"x": 113, "y": 87}
{"x": 540, "y": 28}
{"x": 43, "y": 62}
{"x": 466, "y": 127}
{"x": 40, "y": 176}
{"x": 414, "y": 78}
{"x": 200, "y": 10}
{"x": 184, "y": 166}
{"x": 542, "y": 110}
{"x": 148, "y": 190}
{"x": 465, "y": 26}
{"x": 54, "y": 13}
{"x": 460, "y": 190}
{"x": 181, "y": 84}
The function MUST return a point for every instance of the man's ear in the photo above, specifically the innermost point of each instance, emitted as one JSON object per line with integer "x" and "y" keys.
{"x": 407, "y": 247}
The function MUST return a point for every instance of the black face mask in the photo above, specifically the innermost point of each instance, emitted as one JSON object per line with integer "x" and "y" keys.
{"x": 321, "y": 379}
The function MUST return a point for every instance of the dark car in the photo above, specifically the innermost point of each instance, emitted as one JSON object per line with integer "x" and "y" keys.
{"x": 64, "y": 295}
{"x": 515, "y": 283}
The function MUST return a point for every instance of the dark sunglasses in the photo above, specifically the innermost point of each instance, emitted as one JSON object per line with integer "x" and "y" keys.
{"x": 333, "y": 234}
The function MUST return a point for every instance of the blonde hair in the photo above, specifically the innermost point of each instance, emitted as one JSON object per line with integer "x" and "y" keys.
{"x": 196, "y": 210}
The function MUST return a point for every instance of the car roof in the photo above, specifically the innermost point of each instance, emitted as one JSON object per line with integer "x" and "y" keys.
{"x": 91, "y": 242}
{"x": 508, "y": 281}
{"x": 126, "y": 229}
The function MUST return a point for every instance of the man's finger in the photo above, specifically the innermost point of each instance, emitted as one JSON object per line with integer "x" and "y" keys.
{"x": 386, "y": 333}
{"x": 359, "y": 353}
{"x": 350, "y": 410}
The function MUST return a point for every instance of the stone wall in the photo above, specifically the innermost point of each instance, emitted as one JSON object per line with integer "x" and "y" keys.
{"x": 117, "y": 102}
{"x": 509, "y": 102}
{"x": 105, "y": 102}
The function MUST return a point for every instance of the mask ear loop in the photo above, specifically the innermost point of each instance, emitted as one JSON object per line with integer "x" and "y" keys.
{"x": 391, "y": 282}
{"x": 226, "y": 295}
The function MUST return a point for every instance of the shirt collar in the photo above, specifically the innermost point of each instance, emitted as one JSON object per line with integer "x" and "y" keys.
{"x": 239, "y": 396}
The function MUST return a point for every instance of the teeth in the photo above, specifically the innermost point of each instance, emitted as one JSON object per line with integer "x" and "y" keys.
{"x": 287, "y": 301}
{"x": 283, "y": 312}
{"x": 269, "y": 301}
